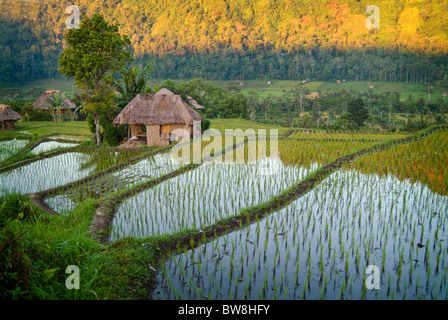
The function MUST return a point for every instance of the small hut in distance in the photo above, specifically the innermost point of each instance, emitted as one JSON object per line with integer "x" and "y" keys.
{"x": 8, "y": 117}
{"x": 194, "y": 103}
{"x": 43, "y": 104}
{"x": 161, "y": 113}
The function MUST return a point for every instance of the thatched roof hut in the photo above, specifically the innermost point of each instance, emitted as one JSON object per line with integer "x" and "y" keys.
{"x": 43, "y": 104}
{"x": 162, "y": 113}
{"x": 194, "y": 103}
{"x": 7, "y": 117}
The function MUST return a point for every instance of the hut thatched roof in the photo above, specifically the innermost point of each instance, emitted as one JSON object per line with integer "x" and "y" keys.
{"x": 194, "y": 103}
{"x": 42, "y": 102}
{"x": 7, "y": 114}
{"x": 164, "y": 107}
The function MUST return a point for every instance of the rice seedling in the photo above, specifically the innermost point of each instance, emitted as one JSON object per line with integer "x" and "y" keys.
{"x": 329, "y": 235}
{"x": 138, "y": 173}
{"x": 422, "y": 160}
{"x": 46, "y": 173}
{"x": 214, "y": 191}
{"x": 10, "y": 147}
{"x": 45, "y": 147}
{"x": 353, "y": 191}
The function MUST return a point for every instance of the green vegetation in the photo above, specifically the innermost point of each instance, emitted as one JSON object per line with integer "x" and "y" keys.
{"x": 303, "y": 220}
{"x": 93, "y": 53}
{"x": 322, "y": 40}
{"x": 423, "y": 161}
{"x": 36, "y": 249}
{"x": 288, "y": 103}
{"x": 233, "y": 124}
{"x": 357, "y": 112}
{"x": 40, "y": 129}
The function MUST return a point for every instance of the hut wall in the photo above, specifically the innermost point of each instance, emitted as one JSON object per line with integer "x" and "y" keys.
{"x": 7, "y": 125}
{"x": 154, "y": 137}
{"x": 181, "y": 126}
{"x": 165, "y": 128}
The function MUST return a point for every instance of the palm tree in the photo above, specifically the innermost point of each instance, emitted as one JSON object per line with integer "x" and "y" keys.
{"x": 55, "y": 103}
{"x": 301, "y": 90}
{"x": 444, "y": 85}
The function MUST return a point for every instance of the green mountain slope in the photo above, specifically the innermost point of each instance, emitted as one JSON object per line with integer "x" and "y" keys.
{"x": 32, "y": 32}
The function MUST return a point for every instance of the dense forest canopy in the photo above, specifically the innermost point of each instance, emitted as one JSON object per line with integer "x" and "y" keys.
{"x": 241, "y": 39}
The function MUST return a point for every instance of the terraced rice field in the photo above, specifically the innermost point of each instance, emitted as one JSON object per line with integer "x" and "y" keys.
{"x": 336, "y": 135}
{"x": 200, "y": 198}
{"x": 307, "y": 221}
{"x": 45, "y": 147}
{"x": 319, "y": 246}
{"x": 46, "y": 173}
{"x": 138, "y": 173}
{"x": 10, "y": 147}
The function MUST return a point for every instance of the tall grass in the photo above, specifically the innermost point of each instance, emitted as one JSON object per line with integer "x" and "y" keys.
{"x": 36, "y": 250}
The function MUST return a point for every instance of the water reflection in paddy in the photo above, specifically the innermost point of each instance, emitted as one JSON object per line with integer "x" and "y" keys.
{"x": 203, "y": 196}
{"x": 320, "y": 245}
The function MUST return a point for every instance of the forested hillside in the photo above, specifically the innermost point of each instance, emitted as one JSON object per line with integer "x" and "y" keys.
{"x": 241, "y": 39}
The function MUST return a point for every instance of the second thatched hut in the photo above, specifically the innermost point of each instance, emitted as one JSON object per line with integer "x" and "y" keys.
{"x": 42, "y": 102}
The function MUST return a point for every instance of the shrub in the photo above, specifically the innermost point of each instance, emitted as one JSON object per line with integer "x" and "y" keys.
{"x": 14, "y": 262}
{"x": 206, "y": 125}
{"x": 31, "y": 114}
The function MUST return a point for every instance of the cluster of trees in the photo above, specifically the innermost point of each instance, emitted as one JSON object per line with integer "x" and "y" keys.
{"x": 93, "y": 54}
{"x": 219, "y": 103}
{"x": 234, "y": 39}
{"x": 96, "y": 57}
{"x": 319, "y": 64}
{"x": 345, "y": 109}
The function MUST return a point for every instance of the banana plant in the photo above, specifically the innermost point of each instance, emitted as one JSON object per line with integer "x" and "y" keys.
{"x": 74, "y": 114}
{"x": 133, "y": 81}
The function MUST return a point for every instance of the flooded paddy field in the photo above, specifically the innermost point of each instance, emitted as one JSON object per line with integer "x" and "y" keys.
{"x": 141, "y": 172}
{"x": 41, "y": 174}
{"x": 423, "y": 160}
{"x": 305, "y": 223}
{"x": 8, "y": 148}
{"x": 46, "y": 173}
{"x": 319, "y": 247}
{"x": 200, "y": 197}
{"x": 75, "y": 138}
{"x": 50, "y": 146}
{"x": 216, "y": 191}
